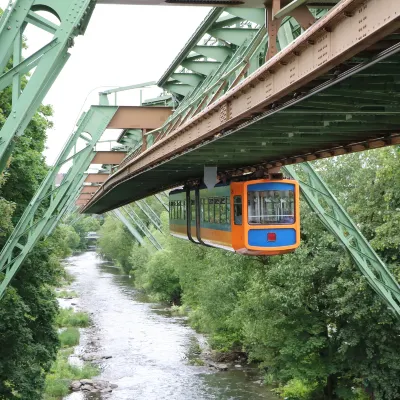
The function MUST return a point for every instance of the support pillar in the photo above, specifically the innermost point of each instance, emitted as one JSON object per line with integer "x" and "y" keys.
{"x": 327, "y": 208}
{"x": 36, "y": 222}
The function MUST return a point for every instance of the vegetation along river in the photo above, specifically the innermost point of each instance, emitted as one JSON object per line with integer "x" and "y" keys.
{"x": 150, "y": 350}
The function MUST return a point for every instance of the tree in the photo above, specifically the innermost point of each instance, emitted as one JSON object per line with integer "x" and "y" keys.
{"x": 116, "y": 243}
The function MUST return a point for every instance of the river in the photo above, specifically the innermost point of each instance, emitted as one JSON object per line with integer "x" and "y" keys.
{"x": 150, "y": 349}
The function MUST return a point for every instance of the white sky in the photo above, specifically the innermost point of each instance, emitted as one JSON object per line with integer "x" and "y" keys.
{"x": 123, "y": 45}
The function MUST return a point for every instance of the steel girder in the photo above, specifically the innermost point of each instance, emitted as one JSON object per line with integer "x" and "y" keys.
{"x": 36, "y": 223}
{"x": 327, "y": 208}
{"x": 121, "y": 217}
{"x": 48, "y": 62}
{"x": 150, "y": 214}
{"x": 130, "y": 212}
{"x": 161, "y": 201}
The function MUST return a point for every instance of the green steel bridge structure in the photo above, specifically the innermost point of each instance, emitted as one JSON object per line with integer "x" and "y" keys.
{"x": 259, "y": 86}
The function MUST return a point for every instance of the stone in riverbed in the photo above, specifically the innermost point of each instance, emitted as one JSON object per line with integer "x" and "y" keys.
{"x": 218, "y": 366}
{"x": 100, "y": 384}
{"x": 87, "y": 388}
{"x": 75, "y": 386}
{"x": 106, "y": 357}
{"x": 87, "y": 382}
{"x": 106, "y": 390}
{"x": 113, "y": 386}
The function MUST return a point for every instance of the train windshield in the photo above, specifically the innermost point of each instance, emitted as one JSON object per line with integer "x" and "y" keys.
{"x": 269, "y": 207}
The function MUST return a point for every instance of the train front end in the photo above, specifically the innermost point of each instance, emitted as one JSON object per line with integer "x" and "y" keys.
{"x": 270, "y": 220}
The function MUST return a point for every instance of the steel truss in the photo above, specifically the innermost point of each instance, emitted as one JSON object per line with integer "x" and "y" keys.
{"x": 150, "y": 214}
{"x": 327, "y": 208}
{"x": 49, "y": 60}
{"x": 36, "y": 223}
{"x": 121, "y": 217}
{"x": 130, "y": 213}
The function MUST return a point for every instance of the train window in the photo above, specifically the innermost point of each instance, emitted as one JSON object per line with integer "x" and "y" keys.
{"x": 223, "y": 210}
{"x": 205, "y": 213}
{"x": 237, "y": 209}
{"x": 217, "y": 212}
{"x": 271, "y": 207}
{"x": 178, "y": 209}
{"x": 184, "y": 209}
{"x": 228, "y": 210}
{"x": 211, "y": 209}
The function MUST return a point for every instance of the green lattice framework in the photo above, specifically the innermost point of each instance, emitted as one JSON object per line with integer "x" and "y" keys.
{"x": 336, "y": 220}
{"x": 230, "y": 44}
{"x": 35, "y": 223}
{"x": 48, "y": 61}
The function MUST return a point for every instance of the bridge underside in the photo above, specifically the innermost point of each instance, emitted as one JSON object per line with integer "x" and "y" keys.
{"x": 353, "y": 107}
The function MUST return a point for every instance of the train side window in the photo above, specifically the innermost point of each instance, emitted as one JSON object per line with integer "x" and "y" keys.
{"x": 184, "y": 209}
{"x": 237, "y": 209}
{"x": 223, "y": 210}
{"x": 228, "y": 210}
{"x": 217, "y": 212}
{"x": 178, "y": 209}
{"x": 211, "y": 209}
{"x": 205, "y": 214}
{"x": 193, "y": 210}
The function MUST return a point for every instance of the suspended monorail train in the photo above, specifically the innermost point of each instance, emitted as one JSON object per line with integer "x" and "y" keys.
{"x": 255, "y": 217}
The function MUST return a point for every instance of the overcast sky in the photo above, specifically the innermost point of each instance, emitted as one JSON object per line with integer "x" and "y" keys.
{"x": 123, "y": 45}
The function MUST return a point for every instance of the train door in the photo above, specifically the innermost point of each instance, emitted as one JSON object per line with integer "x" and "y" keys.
{"x": 237, "y": 217}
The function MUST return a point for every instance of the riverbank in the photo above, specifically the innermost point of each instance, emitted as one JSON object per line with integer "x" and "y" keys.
{"x": 151, "y": 352}
{"x": 72, "y": 372}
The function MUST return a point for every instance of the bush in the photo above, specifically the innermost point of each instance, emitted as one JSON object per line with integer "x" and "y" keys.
{"x": 66, "y": 294}
{"x": 62, "y": 372}
{"x": 70, "y": 337}
{"x": 297, "y": 389}
{"x": 67, "y": 317}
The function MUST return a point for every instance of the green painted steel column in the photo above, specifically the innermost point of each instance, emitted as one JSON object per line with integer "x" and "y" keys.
{"x": 118, "y": 214}
{"x": 35, "y": 223}
{"x": 141, "y": 225}
{"x": 339, "y": 223}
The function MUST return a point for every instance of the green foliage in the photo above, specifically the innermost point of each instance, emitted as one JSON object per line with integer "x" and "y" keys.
{"x": 116, "y": 243}
{"x": 67, "y": 317}
{"x": 159, "y": 278}
{"x": 28, "y": 339}
{"x": 62, "y": 373}
{"x": 70, "y": 239}
{"x": 69, "y": 337}
{"x": 81, "y": 229}
{"x": 66, "y": 294}
{"x": 297, "y": 389}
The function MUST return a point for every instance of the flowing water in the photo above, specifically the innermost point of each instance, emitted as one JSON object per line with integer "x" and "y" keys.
{"x": 150, "y": 350}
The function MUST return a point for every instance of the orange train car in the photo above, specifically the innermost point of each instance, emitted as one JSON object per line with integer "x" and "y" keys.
{"x": 255, "y": 217}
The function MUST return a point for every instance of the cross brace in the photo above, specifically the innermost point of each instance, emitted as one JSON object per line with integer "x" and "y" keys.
{"x": 130, "y": 212}
{"x": 48, "y": 61}
{"x": 35, "y": 223}
{"x": 325, "y": 205}
{"x": 121, "y": 217}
